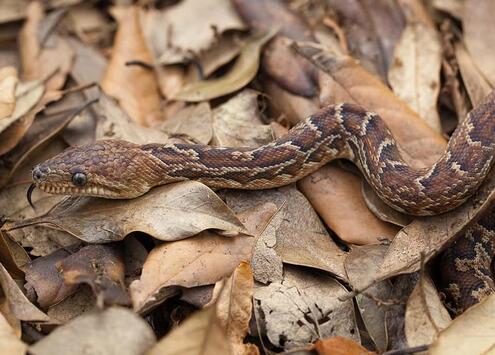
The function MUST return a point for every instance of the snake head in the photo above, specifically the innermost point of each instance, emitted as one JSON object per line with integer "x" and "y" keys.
{"x": 108, "y": 168}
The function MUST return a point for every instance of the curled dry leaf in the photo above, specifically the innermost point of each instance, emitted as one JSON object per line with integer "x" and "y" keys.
{"x": 478, "y": 26}
{"x": 340, "y": 346}
{"x": 9, "y": 343}
{"x": 425, "y": 316}
{"x": 135, "y": 87}
{"x": 237, "y": 123}
{"x": 13, "y": 127}
{"x": 302, "y": 308}
{"x": 17, "y": 302}
{"x": 200, "y": 334}
{"x": 112, "y": 331}
{"x": 477, "y": 86}
{"x": 12, "y": 255}
{"x": 43, "y": 278}
{"x": 242, "y": 72}
{"x": 169, "y": 212}
{"x": 200, "y": 260}
{"x": 415, "y": 72}
{"x": 102, "y": 268}
{"x": 8, "y": 84}
{"x": 473, "y": 332}
{"x": 234, "y": 308}
{"x": 50, "y": 63}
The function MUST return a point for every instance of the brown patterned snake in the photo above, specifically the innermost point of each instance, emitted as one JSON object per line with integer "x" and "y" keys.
{"x": 119, "y": 169}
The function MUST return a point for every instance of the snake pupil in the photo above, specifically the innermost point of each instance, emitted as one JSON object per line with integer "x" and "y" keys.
{"x": 79, "y": 179}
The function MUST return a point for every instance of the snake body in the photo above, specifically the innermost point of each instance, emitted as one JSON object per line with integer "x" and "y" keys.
{"x": 119, "y": 169}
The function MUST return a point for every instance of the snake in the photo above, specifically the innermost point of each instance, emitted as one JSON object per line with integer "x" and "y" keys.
{"x": 118, "y": 169}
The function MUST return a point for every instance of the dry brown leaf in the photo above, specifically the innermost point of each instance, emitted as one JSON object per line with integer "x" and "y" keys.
{"x": 237, "y": 123}
{"x": 180, "y": 32}
{"x": 234, "y": 306}
{"x": 477, "y": 86}
{"x": 13, "y": 127}
{"x": 112, "y": 331}
{"x": 73, "y": 306}
{"x": 452, "y": 7}
{"x": 193, "y": 121}
{"x": 50, "y": 63}
{"x": 372, "y": 29}
{"x": 201, "y": 334}
{"x": 415, "y": 72}
{"x": 294, "y": 234}
{"x": 425, "y": 315}
{"x": 170, "y": 212}
{"x": 17, "y": 302}
{"x": 12, "y": 255}
{"x": 478, "y": 27}
{"x": 17, "y": 9}
{"x": 228, "y": 47}
{"x": 340, "y": 346}
{"x": 44, "y": 280}
{"x": 241, "y": 73}
{"x": 336, "y": 195}
{"x": 135, "y": 87}
{"x": 303, "y": 307}
{"x": 360, "y": 262}
{"x": 200, "y": 260}
{"x": 8, "y": 84}
{"x": 473, "y": 332}
{"x": 102, "y": 268}
{"x": 9, "y": 343}
{"x": 114, "y": 123}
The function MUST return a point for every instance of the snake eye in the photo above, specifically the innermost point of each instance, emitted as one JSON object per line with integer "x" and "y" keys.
{"x": 79, "y": 179}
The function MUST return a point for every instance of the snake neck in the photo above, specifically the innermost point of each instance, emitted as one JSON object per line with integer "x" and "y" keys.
{"x": 344, "y": 131}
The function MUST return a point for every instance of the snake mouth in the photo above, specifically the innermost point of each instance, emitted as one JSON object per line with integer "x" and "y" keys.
{"x": 94, "y": 191}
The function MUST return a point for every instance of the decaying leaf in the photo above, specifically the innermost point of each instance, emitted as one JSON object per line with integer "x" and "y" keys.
{"x": 8, "y": 84}
{"x": 201, "y": 334}
{"x": 102, "y": 268}
{"x": 234, "y": 307}
{"x": 473, "y": 332}
{"x": 200, "y": 260}
{"x": 112, "y": 331}
{"x": 303, "y": 308}
{"x": 415, "y": 71}
{"x": 135, "y": 87}
{"x": 237, "y": 123}
{"x": 240, "y": 74}
{"x": 169, "y": 212}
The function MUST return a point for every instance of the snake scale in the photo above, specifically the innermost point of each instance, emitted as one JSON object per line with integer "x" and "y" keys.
{"x": 118, "y": 169}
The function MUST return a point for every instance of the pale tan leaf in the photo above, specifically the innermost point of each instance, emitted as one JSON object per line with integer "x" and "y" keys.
{"x": 453, "y": 7}
{"x": 8, "y": 84}
{"x": 425, "y": 315}
{"x": 234, "y": 308}
{"x": 478, "y": 35}
{"x": 200, "y": 260}
{"x": 473, "y": 332}
{"x": 237, "y": 123}
{"x": 169, "y": 212}
{"x": 302, "y": 308}
{"x": 241, "y": 74}
{"x": 477, "y": 86}
{"x": 135, "y": 87}
{"x": 201, "y": 334}
{"x": 188, "y": 28}
{"x": 9, "y": 343}
{"x": 415, "y": 71}
{"x": 111, "y": 331}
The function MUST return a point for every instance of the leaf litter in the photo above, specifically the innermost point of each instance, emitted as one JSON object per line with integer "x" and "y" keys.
{"x": 322, "y": 265}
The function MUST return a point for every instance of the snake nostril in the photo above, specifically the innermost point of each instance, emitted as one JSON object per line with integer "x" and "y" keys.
{"x": 37, "y": 174}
